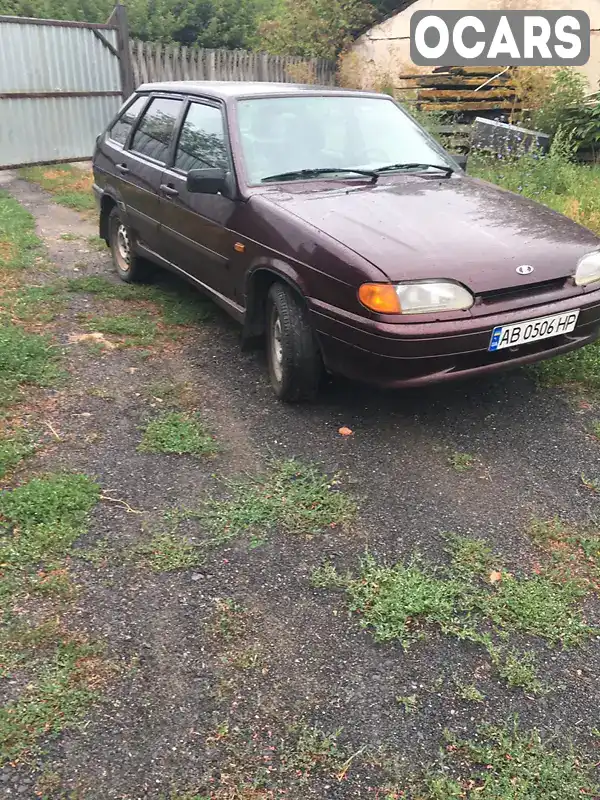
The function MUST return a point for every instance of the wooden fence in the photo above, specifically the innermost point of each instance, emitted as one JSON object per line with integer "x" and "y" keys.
{"x": 158, "y": 62}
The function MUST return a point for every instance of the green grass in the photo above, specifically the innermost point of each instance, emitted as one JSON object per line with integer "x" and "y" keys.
{"x": 579, "y": 370}
{"x": 567, "y": 187}
{"x": 136, "y": 329}
{"x": 39, "y": 522}
{"x": 18, "y": 242}
{"x": 506, "y": 763}
{"x": 14, "y": 449}
{"x": 291, "y": 496}
{"x": 25, "y": 358}
{"x": 96, "y": 243}
{"x": 179, "y": 433}
{"x": 470, "y": 558}
{"x": 42, "y": 518}
{"x": 403, "y": 602}
{"x": 538, "y": 606}
{"x": 39, "y": 304}
{"x": 78, "y": 201}
{"x": 71, "y": 186}
{"x": 166, "y": 552}
{"x": 176, "y": 308}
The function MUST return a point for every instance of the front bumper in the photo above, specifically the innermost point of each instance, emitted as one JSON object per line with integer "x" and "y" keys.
{"x": 410, "y": 354}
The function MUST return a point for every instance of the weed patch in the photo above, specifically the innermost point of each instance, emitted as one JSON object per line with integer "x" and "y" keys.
{"x": 25, "y": 358}
{"x": 167, "y": 553}
{"x": 231, "y": 619}
{"x": 461, "y": 462}
{"x": 406, "y": 602}
{"x": 71, "y": 186}
{"x": 176, "y": 308}
{"x": 505, "y": 763}
{"x": 42, "y": 518}
{"x": 62, "y": 691}
{"x": 38, "y": 304}
{"x": 519, "y": 671}
{"x": 18, "y": 242}
{"x": 294, "y": 497}
{"x": 402, "y": 602}
{"x": 574, "y": 549}
{"x": 14, "y": 449}
{"x": 135, "y": 330}
{"x": 538, "y": 606}
{"x": 179, "y": 433}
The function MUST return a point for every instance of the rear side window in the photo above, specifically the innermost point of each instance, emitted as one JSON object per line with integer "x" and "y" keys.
{"x": 153, "y": 135}
{"x": 120, "y": 130}
{"x": 202, "y": 141}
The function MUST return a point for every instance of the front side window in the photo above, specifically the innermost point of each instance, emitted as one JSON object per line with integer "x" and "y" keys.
{"x": 289, "y": 134}
{"x": 120, "y": 130}
{"x": 202, "y": 140}
{"x": 154, "y": 133}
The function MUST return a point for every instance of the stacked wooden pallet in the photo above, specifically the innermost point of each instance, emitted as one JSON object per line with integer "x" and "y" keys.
{"x": 470, "y": 91}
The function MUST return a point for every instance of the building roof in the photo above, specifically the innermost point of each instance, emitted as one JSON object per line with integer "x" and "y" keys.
{"x": 239, "y": 89}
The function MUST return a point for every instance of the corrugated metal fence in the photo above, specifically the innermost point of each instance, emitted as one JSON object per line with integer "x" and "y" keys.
{"x": 60, "y": 83}
{"x": 158, "y": 62}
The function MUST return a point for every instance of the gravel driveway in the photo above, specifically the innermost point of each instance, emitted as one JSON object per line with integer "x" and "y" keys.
{"x": 189, "y": 710}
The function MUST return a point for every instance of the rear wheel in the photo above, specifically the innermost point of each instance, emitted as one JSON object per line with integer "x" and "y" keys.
{"x": 129, "y": 266}
{"x": 295, "y": 365}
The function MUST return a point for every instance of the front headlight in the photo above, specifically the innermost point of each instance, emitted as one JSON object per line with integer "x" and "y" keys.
{"x": 422, "y": 297}
{"x": 588, "y": 269}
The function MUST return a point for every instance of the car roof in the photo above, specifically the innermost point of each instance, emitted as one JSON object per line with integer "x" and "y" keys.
{"x": 238, "y": 89}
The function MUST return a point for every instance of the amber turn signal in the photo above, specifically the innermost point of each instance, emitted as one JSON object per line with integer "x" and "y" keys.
{"x": 380, "y": 297}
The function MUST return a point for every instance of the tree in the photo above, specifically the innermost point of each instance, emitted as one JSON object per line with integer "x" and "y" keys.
{"x": 315, "y": 28}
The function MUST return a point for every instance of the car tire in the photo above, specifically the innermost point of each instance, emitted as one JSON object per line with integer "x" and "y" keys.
{"x": 295, "y": 365}
{"x": 130, "y": 267}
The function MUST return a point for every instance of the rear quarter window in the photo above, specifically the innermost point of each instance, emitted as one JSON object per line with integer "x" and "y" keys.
{"x": 121, "y": 128}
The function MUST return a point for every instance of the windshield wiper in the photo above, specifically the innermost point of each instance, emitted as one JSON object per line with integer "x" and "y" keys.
{"x": 313, "y": 173}
{"x": 397, "y": 167}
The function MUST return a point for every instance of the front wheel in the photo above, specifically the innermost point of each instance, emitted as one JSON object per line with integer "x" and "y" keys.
{"x": 129, "y": 266}
{"x": 295, "y": 365}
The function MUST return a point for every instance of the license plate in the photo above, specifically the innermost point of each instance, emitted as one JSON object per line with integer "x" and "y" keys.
{"x": 532, "y": 330}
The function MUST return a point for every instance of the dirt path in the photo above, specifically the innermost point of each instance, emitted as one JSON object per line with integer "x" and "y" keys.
{"x": 190, "y": 709}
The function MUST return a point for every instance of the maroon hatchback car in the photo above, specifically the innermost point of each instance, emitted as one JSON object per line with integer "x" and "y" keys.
{"x": 330, "y": 224}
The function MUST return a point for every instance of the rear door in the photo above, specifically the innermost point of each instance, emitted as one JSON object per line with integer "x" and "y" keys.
{"x": 194, "y": 227}
{"x": 142, "y": 164}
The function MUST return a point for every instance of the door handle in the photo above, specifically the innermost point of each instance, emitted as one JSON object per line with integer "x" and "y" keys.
{"x": 123, "y": 168}
{"x": 169, "y": 191}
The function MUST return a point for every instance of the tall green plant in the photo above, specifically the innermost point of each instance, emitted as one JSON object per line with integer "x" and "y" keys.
{"x": 566, "y": 92}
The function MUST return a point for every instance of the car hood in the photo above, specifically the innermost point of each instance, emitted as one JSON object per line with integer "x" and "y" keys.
{"x": 427, "y": 227}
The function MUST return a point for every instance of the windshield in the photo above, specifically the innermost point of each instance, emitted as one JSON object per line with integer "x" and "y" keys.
{"x": 288, "y": 134}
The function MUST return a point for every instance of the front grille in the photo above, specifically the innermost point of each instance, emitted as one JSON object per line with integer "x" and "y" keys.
{"x": 524, "y": 292}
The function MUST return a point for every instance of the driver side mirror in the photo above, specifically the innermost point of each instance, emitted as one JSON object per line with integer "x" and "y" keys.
{"x": 461, "y": 160}
{"x": 208, "y": 181}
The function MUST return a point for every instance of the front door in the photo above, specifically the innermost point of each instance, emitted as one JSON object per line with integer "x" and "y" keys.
{"x": 194, "y": 229}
